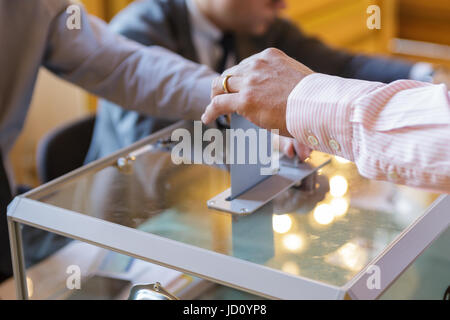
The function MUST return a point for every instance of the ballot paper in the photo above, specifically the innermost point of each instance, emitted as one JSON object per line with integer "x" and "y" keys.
{"x": 245, "y": 176}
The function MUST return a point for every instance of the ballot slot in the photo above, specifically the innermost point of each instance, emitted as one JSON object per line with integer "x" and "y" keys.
{"x": 251, "y": 189}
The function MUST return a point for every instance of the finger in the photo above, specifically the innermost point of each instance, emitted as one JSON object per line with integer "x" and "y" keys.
{"x": 286, "y": 146}
{"x": 220, "y": 105}
{"x": 289, "y": 150}
{"x": 233, "y": 84}
{"x": 302, "y": 151}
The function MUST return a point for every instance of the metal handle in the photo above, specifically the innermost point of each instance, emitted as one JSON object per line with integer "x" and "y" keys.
{"x": 153, "y": 291}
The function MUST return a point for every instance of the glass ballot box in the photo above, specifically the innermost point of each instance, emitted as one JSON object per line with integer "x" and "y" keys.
{"x": 343, "y": 237}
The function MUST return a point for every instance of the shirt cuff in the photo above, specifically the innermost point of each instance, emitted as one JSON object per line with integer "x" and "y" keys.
{"x": 319, "y": 112}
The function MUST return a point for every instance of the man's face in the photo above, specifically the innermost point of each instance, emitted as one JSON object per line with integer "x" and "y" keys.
{"x": 250, "y": 16}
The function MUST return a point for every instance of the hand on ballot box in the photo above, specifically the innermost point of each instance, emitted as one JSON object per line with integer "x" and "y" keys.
{"x": 442, "y": 75}
{"x": 292, "y": 148}
{"x": 250, "y": 87}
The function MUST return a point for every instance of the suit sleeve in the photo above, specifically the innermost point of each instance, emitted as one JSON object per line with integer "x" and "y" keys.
{"x": 324, "y": 59}
{"x": 145, "y": 22}
{"x": 151, "y": 80}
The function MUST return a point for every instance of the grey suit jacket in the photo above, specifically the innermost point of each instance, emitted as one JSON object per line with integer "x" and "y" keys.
{"x": 34, "y": 34}
{"x": 166, "y": 23}
{"x": 151, "y": 80}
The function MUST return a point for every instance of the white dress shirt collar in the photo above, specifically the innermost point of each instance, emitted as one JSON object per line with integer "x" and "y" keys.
{"x": 201, "y": 25}
{"x": 206, "y": 38}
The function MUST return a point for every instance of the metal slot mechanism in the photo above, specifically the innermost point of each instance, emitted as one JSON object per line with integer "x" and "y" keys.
{"x": 255, "y": 198}
{"x": 250, "y": 190}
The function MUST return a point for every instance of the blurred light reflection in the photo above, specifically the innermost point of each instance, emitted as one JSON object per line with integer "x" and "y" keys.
{"x": 282, "y": 223}
{"x": 339, "y": 206}
{"x": 351, "y": 256}
{"x": 293, "y": 242}
{"x": 338, "y": 186}
{"x": 291, "y": 267}
{"x": 30, "y": 287}
{"x": 323, "y": 214}
{"x": 341, "y": 160}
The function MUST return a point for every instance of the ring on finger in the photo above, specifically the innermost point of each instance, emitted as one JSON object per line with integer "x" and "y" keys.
{"x": 225, "y": 84}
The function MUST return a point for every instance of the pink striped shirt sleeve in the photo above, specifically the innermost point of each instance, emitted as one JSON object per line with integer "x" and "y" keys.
{"x": 398, "y": 132}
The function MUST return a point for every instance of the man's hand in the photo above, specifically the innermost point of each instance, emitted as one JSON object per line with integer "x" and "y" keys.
{"x": 442, "y": 75}
{"x": 260, "y": 87}
{"x": 291, "y": 148}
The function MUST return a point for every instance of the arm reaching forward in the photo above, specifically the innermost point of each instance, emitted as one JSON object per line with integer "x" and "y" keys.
{"x": 398, "y": 132}
{"x": 151, "y": 80}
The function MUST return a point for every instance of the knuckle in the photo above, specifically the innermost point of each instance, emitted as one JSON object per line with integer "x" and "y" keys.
{"x": 272, "y": 52}
{"x": 257, "y": 64}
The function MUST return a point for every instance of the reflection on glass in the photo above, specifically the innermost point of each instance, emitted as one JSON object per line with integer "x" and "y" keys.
{"x": 291, "y": 267}
{"x": 338, "y": 186}
{"x": 341, "y": 160}
{"x": 352, "y": 256}
{"x": 293, "y": 242}
{"x": 339, "y": 206}
{"x": 282, "y": 223}
{"x": 323, "y": 214}
{"x": 30, "y": 287}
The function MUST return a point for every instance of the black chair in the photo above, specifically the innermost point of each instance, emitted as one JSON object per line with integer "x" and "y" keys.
{"x": 59, "y": 152}
{"x": 64, "y": 149}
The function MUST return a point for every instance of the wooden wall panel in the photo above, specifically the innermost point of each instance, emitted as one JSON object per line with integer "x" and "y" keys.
{"x": 425, "y": 20}
{"x": 343, "y": 23}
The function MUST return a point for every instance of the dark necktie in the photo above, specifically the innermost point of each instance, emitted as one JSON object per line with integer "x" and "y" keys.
{"x": 228, "y": 48}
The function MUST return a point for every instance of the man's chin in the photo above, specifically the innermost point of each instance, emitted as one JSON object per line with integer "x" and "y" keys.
{"x": 264, "y": 28}
{"x": 260, "y": 31}
{"x": 256, "y": 31}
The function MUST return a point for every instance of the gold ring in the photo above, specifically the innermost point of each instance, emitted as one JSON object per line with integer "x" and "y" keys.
{"x": 225, "y": 84}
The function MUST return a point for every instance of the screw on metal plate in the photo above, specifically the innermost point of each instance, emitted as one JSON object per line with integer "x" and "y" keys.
{"x": 165, "y": 143}
{"x": 124, "y": 164}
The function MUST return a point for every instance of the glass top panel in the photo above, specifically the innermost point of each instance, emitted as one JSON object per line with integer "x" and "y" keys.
{"x": 327, "y": 235}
